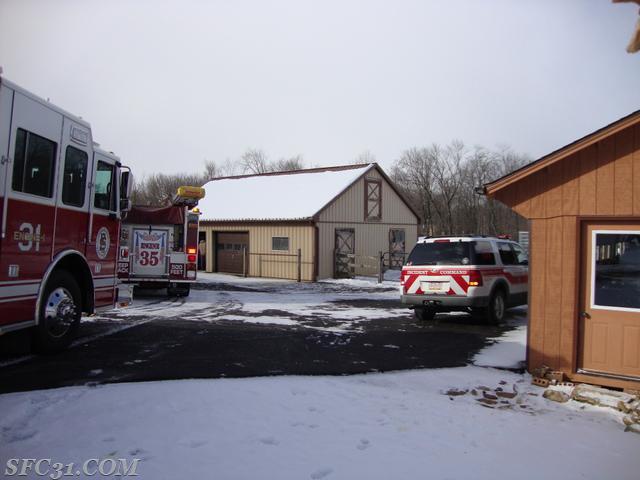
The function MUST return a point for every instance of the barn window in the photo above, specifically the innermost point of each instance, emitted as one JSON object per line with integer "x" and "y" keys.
{"x": 372, "y": 200}
{"x": 280, "y": 243}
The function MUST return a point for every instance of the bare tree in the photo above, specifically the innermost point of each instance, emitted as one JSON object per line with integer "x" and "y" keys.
{"x": 365, "y": 157}
{"x": 286, "y": 164}
{"x": 254, "y": 161}
{"x": 440, "y": 182}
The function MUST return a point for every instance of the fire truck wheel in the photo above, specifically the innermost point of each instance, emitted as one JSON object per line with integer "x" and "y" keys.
{"x": 424, "y": 314}
{"x": 60, "y": 313}
{"x": 180, "y": 291}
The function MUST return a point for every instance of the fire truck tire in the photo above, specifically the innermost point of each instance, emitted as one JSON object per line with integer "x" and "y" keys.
{"x": 180, "y": 291}
{"x": 424, "y": 314}
{"x": 60, "y": 313}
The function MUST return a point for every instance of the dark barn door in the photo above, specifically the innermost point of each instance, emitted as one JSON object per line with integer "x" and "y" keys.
{"x": 229, "y": 251}
{"x": 345, "y": 248}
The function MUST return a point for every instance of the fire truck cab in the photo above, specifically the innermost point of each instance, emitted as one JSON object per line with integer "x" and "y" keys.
{"x": 61, "y": 201}
{"x": 159, "y": 245}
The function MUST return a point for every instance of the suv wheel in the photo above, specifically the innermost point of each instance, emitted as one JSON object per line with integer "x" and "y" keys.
{"x": 424, "y": 314}
{"x": 496, "y": 308}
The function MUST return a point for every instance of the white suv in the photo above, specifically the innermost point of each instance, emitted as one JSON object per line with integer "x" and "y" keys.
{"x": 483, "y": 275}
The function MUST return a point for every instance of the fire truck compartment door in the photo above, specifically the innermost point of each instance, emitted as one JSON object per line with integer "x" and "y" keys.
{"x": 150, "y": 252}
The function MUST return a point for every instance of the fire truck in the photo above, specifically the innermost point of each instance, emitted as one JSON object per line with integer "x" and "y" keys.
{"x": 62, "y": 199}
{"x": 159, "y": 245}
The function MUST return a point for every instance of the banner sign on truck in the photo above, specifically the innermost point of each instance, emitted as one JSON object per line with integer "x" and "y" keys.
{"x": 149, "y": 248}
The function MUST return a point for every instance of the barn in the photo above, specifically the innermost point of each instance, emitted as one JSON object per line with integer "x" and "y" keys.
{"x": 305, "y": 224}
{"x": 583, "y": 204}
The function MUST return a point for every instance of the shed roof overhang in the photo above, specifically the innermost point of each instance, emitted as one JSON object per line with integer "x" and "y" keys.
{"x": 492, "y": 188}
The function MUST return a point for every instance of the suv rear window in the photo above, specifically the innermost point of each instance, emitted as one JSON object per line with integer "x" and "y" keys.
{"x": 452, "y": 253}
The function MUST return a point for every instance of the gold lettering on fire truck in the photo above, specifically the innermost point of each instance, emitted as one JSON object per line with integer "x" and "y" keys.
{"x": 27, "y": 236}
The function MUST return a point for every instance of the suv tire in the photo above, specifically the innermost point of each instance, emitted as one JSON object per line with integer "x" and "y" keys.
{"x": 497, "y": 307}
{"x": 424, "y": 314}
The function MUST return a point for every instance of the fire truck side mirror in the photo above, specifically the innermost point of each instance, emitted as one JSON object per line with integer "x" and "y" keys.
{"x": 126, "y": 185}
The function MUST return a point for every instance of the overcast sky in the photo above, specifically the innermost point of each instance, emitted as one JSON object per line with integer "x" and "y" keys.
{"x": 169, "y": 84}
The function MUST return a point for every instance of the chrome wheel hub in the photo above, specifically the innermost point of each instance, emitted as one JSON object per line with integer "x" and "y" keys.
{"x": 59, "y": 312}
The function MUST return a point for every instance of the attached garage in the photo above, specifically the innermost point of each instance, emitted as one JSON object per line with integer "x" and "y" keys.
{"x": 583, "y": 203}
{"x": 230, "y": 251}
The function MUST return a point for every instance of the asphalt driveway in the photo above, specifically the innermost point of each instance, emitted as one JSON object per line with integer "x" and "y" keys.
{"x": 240, "y": 328}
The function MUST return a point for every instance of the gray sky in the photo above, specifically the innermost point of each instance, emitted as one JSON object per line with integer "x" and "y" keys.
{"x": 168, "y": 84}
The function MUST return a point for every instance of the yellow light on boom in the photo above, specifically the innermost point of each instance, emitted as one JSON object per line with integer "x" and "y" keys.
{"x": 186, "y": 191}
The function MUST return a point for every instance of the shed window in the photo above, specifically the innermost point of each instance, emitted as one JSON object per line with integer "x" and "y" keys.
{"x": 616, "y": 270}
{"x": 34, "y": 164}
{"x": 280, "y": 243}
{"x": 75, "y": 177}
{"x": 372, "y": 200}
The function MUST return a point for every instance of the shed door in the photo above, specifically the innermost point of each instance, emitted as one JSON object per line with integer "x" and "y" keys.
{"x": 229, "y": 251}
{"x": 610, "y": 300}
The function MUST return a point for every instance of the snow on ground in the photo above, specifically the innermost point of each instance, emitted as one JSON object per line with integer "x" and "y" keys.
{"x": 508, "y": 350}
{"x": 219, "y": 297}
{"x": 375, "y": 426}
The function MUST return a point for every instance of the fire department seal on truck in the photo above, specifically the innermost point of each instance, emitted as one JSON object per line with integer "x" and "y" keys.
{"x": 102, "y": 243}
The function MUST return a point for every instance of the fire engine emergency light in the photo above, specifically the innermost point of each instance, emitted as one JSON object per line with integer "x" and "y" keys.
{"x": 191, "y": 192}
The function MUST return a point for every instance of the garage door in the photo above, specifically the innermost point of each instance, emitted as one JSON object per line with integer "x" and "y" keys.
{"x": 229, "y": 251}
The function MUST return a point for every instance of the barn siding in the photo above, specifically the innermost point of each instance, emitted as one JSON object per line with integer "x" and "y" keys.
{"x": 370, "y": 240}
{"x": 600, "y": 180}
{"x": 260, "y": 242}
{"x": 347, "y": 211}
{"x": 349, "y": 207}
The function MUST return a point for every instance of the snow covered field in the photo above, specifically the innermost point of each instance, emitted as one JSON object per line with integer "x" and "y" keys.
{"x": 375, "y": 426}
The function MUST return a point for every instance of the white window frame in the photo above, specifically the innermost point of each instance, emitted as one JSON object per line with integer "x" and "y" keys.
{"x": 592, "y": 287}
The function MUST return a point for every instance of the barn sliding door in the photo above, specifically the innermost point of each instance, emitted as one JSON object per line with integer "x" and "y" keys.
{"x": 610, "y": 301}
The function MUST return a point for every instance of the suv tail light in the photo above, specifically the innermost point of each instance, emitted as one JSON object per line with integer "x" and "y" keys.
{"x": 475, "y": 278}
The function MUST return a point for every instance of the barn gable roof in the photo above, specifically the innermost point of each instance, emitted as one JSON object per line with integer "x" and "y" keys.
{"x": 492, "y": 187}
{"x": 276, "y": 196}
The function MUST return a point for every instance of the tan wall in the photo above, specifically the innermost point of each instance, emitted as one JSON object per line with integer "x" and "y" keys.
{"x": 370, "y": 240}
{"x": 601, "y": 181}
{"x": 349, "y": 207}
{"x": 371, "y": 237}
{"x": 261, "y": 261}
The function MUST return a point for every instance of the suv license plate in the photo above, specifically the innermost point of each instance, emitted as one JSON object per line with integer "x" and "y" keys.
{"x": 437, "y": 286}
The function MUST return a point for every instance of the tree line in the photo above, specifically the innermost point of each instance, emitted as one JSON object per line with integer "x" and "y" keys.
{"x": 438, "y": 180}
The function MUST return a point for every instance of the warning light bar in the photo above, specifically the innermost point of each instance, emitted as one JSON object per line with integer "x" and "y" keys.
{"x": 188, "y": 195}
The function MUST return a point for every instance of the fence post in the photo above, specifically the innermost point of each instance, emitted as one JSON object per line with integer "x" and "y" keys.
{"x": 380, "y": 266}
{"x": 299, "y": 265}
{"x": 244, "y": 262}
{"x": 260, "y": 265}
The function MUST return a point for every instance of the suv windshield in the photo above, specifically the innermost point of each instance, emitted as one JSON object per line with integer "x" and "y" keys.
{"x": 441, "y": 253}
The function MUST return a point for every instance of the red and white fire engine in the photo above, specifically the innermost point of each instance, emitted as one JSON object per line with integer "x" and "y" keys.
{"x": 62, "y": 199}
{"x": 159, "y": 246}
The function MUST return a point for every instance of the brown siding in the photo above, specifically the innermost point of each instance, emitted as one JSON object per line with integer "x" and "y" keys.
{"x": 602, "y": 179}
